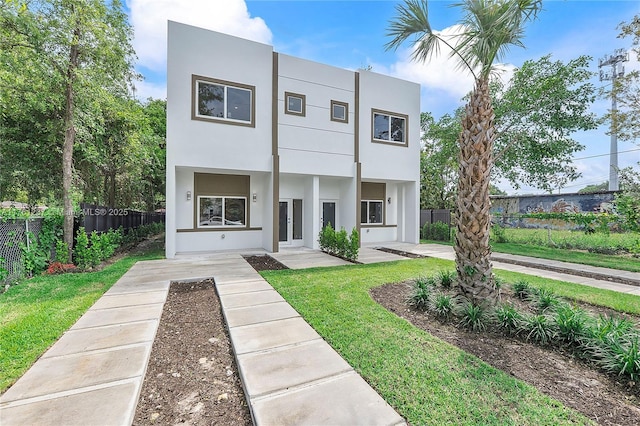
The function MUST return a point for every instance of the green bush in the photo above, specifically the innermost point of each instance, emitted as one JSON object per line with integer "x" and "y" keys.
{"x": 498, "y": 234}
{"x": 446, "y": 278}
{"x": 508, "y": 318}
{"x": 62, "y": 252}
{"x": 437, "y": 231}
{"x": 522, "y": 289}
{"x": 572, "y": 324}
{"x": 82, "y": 255}
{"x": 539, "y": 328}
{"x": 474, "y": 317}
{"x": 420, "y": 297}
{"x": 340, "y": 243}
{"x": 443, "y": 306}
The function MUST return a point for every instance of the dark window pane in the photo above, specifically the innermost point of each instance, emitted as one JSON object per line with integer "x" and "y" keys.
{"x": 381, "y": 127}
{"x": 238, "y": 104}
{"x": 328, "y": 214}
{"x": 294, "y": 104}
{"x": 282, "y": 222}
{"x": 297, "y": 219}
{"x": 234, "y": 211}
{"x": 397, "y": 129}
{"x": 339, "y": 112}
{"x": 375, "y": 211}
{"x": 210, "y": 99}
{"x": 210, "y": 211}
{"x": 363, "y": 212}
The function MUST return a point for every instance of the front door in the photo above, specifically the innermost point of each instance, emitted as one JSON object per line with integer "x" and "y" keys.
{"x": 290, "y": 222}
{"x": 328, "y": 214}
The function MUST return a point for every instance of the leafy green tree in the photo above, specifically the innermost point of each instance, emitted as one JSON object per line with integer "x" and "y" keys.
{"x": 627, "y": 90}
{"x": 604, "y": 186}
{"x": 536, "y": 113}
{"x": 438, "y": 161}
{"x": 82, "y": 50}
{"x": 490, "y": 27}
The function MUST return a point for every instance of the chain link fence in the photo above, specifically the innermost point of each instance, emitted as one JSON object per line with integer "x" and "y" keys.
{"x": 14, "y": 234}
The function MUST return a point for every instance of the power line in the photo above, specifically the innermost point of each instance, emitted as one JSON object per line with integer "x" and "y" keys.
{"x": 604, "y": 155}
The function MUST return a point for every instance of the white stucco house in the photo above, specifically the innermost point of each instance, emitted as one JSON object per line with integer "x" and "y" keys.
{"x": 264, "y": 149}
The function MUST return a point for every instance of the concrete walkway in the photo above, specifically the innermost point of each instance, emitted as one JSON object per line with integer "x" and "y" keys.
{"x": 93, "y": 374}
{"x": 539, "y": 267}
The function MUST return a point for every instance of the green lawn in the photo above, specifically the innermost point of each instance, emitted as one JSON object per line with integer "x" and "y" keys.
{"x": 35, "y": 313}
{"x": 427, "y": 380}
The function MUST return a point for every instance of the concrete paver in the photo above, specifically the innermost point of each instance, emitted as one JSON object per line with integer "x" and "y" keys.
{"x": 272, "y": 334}
{"x": 238, "y": 300}
{"x": 286, "y": 367}
{"x": 259, "y": 313}
{"x": 328, "y": 402}
{"x": 302, "y": 258}
{"x": 371, "y": 255}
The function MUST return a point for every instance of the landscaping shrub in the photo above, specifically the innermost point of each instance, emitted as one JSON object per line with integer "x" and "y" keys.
{"x": 339, "y": 243}
{"x": 474, "y": 317}
{"x": 544, "y": 300}
{"x": 621, "y": 356}
{"x": 62, "y": 252}
{"x": 82, "y": 255}
{"x": 443, "y": 306}
{"x": 572, "y": 324}
{"x": 539, "y": 328}
{"x": 437, "y": 231}
{"x": 446, "y": 279}
{"x": 522, "y": 289}
{"x": 420, "y": 296}
{"x": 508, "y": 319}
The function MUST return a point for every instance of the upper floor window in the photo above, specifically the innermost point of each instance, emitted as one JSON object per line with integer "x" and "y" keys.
{"x": 339, "y": 111}
{"x": 389, "y": 127}
{"x": 295, "y": 103}
{"x": 224, "y": 101}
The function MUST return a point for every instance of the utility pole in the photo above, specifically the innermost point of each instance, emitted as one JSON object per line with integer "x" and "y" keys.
{"x": 619, "y": 55}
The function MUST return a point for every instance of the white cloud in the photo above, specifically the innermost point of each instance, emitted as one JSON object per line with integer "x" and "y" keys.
{"x": 440, "y": 76}
{"x": 149, "y": 20}
{"x": 146, "y": 90}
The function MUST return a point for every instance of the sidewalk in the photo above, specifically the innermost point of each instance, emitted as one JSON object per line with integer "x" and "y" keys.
{"x": 609, "y": 279}
{"x": 93, "y": 374}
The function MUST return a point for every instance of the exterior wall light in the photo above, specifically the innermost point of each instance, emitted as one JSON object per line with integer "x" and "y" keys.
{"x": 389, "y": 200}
{"x": 255, "y": 197}
{"x": 188, "y": 195}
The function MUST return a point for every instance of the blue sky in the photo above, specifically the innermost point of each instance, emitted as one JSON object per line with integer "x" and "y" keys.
{"x": 352, "y": 34}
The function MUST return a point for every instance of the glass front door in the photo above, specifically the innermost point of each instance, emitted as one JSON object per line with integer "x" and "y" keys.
{"x": 328, "y": 214}
{"x": 290, "y": 222}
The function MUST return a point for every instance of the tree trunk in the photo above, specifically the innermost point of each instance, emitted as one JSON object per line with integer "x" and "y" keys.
{"x": 473, "y": 252}
{"x": 69, "y": 140}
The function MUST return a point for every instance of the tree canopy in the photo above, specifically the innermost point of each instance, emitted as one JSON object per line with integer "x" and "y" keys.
{"x": 536, "y": 114}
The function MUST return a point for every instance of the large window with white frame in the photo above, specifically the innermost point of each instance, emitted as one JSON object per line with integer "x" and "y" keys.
{"x": 221, "y": 212}
{"x": 389, "y": 127}
{"x": 371, "y": 212}
{"x": 223, "y": 101}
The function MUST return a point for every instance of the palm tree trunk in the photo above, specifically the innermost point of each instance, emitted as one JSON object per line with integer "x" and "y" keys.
{"x": 473, "y": 220}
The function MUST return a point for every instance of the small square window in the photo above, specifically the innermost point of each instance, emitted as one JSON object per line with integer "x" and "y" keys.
{"x": 339, "y": 111}
{"x": 371, "y": 212}
{"x": 294, "y": 104}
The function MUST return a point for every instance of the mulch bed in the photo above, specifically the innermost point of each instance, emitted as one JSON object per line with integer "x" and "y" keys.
{"x": 559, "y": 374}
{"x": 264, "y": 262}
{"x": 401, "y": 253}
{"x": 192, "y": 377}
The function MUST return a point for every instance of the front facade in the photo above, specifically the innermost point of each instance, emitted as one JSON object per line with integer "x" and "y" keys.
{"x": 264, "y": 149}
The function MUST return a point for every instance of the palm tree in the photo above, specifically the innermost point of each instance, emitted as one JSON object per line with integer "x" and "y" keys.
{"x": 489, "y": 28}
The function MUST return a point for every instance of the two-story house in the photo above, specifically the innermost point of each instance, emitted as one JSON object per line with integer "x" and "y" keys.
{"x": 264, "y": 149}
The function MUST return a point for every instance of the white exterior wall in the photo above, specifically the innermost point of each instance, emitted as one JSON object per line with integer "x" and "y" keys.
{"x": 314, "y": 144}
{"x": 317, "y": 155}
{"x": 384, "y": 161}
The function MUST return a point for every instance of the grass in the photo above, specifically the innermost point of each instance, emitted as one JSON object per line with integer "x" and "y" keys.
{"x": 427, "y": 380}
{"x": 620, "y": 302}
{"x": 624, "y": 263}
{"x": 35, "y": 313}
